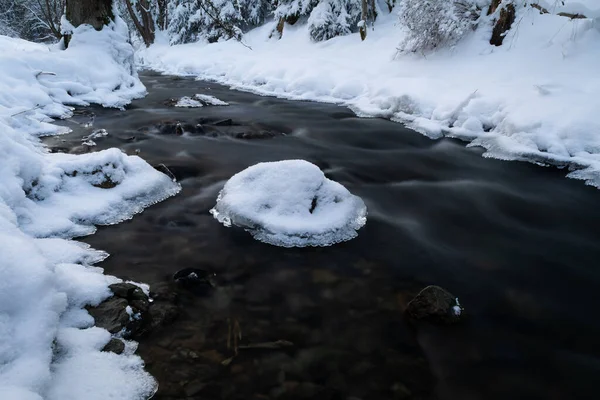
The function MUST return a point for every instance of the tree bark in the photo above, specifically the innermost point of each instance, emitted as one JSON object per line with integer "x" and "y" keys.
{"x": 145, "y": 27}
{"x": 365, "y": 15}
{"x": 163, "y": 19}
{"x": 96, "y": 13}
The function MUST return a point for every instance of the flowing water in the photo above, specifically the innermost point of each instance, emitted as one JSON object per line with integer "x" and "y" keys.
{"x": 517, "y": 243}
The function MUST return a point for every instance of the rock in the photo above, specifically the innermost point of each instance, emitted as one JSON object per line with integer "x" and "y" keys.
{"x": 194, "y": 276}
{"x": 163, "y": 292}
{"x": 161, "y": 313}
{"x": 257, "y": 135}
{"x": 107, "y": 183}
{"x": 435, "y": 304}
{"x": 131, "y": 310}
{"x": 134, "y": 295}
{"x": 128, "y": 291}
{"x": 111, "y": 314}
{"x": 115, "y": 346}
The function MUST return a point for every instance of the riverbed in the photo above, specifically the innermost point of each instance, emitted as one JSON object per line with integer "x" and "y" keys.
{"x": 516, "y": 242}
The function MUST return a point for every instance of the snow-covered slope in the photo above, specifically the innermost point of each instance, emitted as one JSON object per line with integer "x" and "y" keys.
{"x": 534, "y": 98}
{"x": 48, "y": 347}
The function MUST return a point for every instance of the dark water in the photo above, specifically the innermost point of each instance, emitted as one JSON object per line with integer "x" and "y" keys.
{"x": 516, "y": 242}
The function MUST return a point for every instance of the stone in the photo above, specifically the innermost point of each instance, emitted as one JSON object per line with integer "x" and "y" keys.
{"x": 128, "y": 291}
{"x": 194, "y": 276}
{"x": 162, "y": 313}
{"x": 115, "y": 346}
{"x": 111, "y": 314}
{"x": 134, "y": 295}
{"x": 436, "y": 305}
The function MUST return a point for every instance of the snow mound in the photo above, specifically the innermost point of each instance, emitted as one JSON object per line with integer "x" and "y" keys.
{"x": 290, "y": 204}
{"x": 199, "y": 100}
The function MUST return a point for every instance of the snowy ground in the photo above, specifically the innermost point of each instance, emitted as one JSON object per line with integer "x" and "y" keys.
{"x": 48, "y": 346}
{"x": 535, "y": 98}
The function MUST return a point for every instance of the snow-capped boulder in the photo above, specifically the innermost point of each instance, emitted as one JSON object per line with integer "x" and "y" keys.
{"x": 291, "y": 204}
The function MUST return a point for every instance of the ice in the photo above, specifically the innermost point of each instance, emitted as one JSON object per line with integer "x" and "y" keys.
{"x": 291, "y": 204}
{"x": 533, "y": 99}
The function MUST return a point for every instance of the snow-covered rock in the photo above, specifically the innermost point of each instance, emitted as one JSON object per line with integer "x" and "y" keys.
{"x": 291, "y": 204}
{"x": 199, "y": 100}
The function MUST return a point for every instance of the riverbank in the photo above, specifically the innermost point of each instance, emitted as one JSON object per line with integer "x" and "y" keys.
{"x": 532, "y": 99}
{"x": 49, "y": 347}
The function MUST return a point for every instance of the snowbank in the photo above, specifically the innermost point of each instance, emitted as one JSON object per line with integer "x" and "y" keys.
{"x": 535, "y": 98}
{"x": 291, "y": 204}
{"x": 48, "y": 346}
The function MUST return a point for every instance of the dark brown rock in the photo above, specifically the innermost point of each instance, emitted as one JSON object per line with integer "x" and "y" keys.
{"x": 436, "y": 305}
{"x": 115, "y": 346}
{"x": 128, "y": 291}
{"x": 162, "y": 313}
{"x": 111, "y": 314}
{"x": 134, "y": 295}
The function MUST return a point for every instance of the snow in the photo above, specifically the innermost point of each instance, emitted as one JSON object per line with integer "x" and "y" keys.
{"x": 291, "y": 204}
{"x": 210, "y": 100}
{"x": 535, "y": 98}
{"x": 48, "y": 346}
{"x": 199, "y": 100}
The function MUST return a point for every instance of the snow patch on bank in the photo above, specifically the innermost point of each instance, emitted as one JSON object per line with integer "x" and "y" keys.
{"x": 535, "y": 98}
{"x": 49, "y": 348}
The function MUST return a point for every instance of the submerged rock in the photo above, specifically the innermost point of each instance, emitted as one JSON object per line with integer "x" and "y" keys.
{"x": 436, "y": 305}
{"x": 290, "y": 204}
{"x": 195, "y": 276}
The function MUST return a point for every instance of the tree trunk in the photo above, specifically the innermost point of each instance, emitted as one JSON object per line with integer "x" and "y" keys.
{"x": 96, "y": 13}
{"x": 163, "y": 19}
{"x": 145, "y": 27}
{"x": 363, "y": 23}
{"x": 504, "y": 23}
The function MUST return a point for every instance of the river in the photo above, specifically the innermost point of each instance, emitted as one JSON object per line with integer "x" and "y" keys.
{"x": 516, "y": 242}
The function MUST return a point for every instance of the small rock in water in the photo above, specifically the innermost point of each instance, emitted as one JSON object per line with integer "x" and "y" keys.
{"x": 435, "y": 304}
{"x": 194, "y": 276}
{"x": 131, "y": 312}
